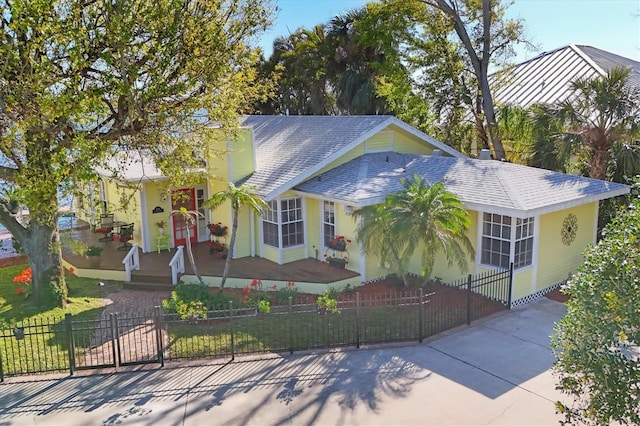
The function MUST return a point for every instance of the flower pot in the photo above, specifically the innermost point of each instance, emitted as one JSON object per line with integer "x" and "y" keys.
{"x": 161, "y": 230}
{"x": 337, "y": 263}
{"x": 94, "y": 261}
{"x": 339, "y": 245}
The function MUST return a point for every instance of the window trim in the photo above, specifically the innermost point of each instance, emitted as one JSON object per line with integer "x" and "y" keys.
{"x": 515, "y": 223}
{"x": 324, "y": 223}
{"x": 275, "y": 217}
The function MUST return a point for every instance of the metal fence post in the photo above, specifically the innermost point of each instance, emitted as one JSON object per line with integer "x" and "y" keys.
{"x": 357, "y": 320}
{"x": 420, "y": 316}
{"x": 510, "y": 285}
{"x": 290, "y": 325}
{"x": 469, "y": 299}
{"x": 70, "y": 346}
{"x": 117, "y": 360}
{"x": 233, "y": 344}
{"x": 159, "y": 343}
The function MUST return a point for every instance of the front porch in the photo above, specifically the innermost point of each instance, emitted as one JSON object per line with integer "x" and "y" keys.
{"x": 154, "y": 267}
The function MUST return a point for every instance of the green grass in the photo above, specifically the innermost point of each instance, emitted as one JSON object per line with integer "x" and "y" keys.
{"x": 45, "y": 344}
{"x": 304, "y": 330}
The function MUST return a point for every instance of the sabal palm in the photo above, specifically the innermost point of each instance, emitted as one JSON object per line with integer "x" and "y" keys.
{"x": 601, "y": 112}
{"x": 238, "y": 196}
{"x": 420, "y": 216}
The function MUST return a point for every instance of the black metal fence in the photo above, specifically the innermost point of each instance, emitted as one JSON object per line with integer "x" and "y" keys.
{"x": 68, "y": 344}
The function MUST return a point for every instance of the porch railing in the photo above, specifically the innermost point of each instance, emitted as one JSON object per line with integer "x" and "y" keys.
{"x": 177, "y": 265}
{"x": 131, "y": 261}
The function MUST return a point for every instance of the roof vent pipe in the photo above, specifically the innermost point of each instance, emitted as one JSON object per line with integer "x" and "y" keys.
{"x": 436, "y": 153}
{"x": 485, "y": 154}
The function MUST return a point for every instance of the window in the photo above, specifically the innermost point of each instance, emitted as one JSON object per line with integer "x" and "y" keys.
{"x": 283, "y": 220}
{"x": 523, "y": 255}
{"x": 497, "y": 239}
{"x": 328, "y": 222}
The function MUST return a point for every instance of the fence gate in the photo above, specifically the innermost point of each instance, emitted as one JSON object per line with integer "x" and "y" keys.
{"x": 114, "y": 340}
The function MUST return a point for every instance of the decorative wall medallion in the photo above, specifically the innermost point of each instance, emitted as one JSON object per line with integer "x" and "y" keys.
{"x": 569, "y": 229}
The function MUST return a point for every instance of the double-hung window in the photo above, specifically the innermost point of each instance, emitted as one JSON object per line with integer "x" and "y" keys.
{"x": 498, "y": 236}
{"x": 328, "y": 222}
{"x": 283, "y": 223}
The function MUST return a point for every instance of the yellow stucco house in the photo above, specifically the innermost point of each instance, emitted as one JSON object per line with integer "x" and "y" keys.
{"x": 315, "y": 170}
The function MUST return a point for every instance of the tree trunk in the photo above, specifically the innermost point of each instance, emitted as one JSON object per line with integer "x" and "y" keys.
{"x": 42, "y": 246}
{"x": 227, "y": 263}
{"x": 192, "y": 261}
{"x": 598, "y": 164}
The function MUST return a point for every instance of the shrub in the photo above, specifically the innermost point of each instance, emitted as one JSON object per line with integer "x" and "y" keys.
{"x": 264, "y": 306}
{"x": 285, "y": 292}
{"x": 188, "y": 300}
{"x": 327, "y": 303}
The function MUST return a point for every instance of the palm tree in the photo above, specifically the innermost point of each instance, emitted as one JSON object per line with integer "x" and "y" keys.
{"x": 238, "y": 197}
{"x": 190, "y": 218}
{"x": 601, "y": 112}
{"x": 420, "y": 216}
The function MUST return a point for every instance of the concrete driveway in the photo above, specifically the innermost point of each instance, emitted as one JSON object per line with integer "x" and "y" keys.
{"x": 493, "y": 372}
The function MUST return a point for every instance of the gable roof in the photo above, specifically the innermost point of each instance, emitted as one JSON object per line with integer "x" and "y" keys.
{"x": 547, "y": 77}
{"x": 483, "y": 185}
{"x": 290, "y": 149}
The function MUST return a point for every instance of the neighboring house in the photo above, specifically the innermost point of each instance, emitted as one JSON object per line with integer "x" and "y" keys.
{"x": 315, "y": 170}
{"x": 547, "y": 77}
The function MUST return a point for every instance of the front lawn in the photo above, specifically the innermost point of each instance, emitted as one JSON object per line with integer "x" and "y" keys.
{"x": 33, "y": 338}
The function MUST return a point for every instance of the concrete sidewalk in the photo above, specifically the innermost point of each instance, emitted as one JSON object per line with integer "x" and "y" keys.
{"x": 494, "y": 372}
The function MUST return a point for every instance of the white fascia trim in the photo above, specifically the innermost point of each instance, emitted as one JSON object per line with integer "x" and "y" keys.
{"x": 551, "y": 208}
{"x": 375, "y": 130}
{"x": 590, "y": 61}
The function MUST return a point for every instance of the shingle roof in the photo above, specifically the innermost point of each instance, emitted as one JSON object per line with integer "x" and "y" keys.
{"x": 289, "y": 149}
{"x": 547, "y": 77}
{"x": 485, "y": 185}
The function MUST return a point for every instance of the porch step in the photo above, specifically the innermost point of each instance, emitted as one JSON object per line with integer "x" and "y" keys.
{"x": 136, "y": 285}
{"x": 148, "y": 282}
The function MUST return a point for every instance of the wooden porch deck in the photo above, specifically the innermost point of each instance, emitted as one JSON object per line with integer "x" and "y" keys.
{"x": 155, "y": 266}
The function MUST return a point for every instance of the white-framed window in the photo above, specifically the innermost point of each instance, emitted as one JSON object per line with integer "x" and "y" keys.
{"x": 497, "y": 238}
{"x": 328, "y": 222}
{"x": 283, "y": 221}
{"x": 523, "y": 255}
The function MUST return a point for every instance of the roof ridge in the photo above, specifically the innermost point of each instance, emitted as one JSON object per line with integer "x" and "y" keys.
{"x": 497, "y": 168}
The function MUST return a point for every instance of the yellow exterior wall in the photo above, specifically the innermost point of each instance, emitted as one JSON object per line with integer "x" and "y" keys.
{"x": 354, "y": 153}
{"x": 406, "y": 143}
{"x": 313, "y": 229}
{"x": 346, "y": 226}
{"x": 271, "y": 253}
{"x": 124, "y": 203}
{"x": 231, "y": 160}
{"x": 556, "y": 260}
{"x": 382, "y": 141}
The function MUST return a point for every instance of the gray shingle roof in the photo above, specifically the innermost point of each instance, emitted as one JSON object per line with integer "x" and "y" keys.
{"x": 484, "y": 185}
{"x": 546, "y": 78}
{"x": 289, "y": 149}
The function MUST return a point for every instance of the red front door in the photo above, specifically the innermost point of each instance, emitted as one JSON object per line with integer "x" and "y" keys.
{"x": 183, "y": 198}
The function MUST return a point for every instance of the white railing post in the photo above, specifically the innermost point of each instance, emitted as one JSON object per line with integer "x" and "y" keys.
{"x": 131, "y": 261}
{"x": 177, "y": 265}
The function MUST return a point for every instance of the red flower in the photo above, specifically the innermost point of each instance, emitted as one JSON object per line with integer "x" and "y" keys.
{"x": 290, "y": 284}
{"x": 274, "y": 287}
{"x": 20, "y": 290}
{"x": 256, "y": 283}
{"x": 71, "y": 270}
{"x": 23, "y": 277}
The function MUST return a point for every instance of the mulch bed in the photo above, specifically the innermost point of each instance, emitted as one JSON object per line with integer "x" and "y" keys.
{"x": 558, "y": 296}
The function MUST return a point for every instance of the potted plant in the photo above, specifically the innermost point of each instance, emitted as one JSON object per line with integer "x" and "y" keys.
{"x": 93, "y": 255}
{"x": 161, "y": 224}
{"x": 217, "y": 229}
{"x": 336, "y": 262}
{"x": 339, "y": 243}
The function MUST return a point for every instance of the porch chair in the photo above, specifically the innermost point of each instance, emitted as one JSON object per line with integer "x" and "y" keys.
{"x": 105, "y": 227}
{"x": 126, "y": 235}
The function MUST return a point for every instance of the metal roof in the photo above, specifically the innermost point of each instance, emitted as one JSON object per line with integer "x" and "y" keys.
{"x": 547, "y": 77}
{"x": 483, "y": 185}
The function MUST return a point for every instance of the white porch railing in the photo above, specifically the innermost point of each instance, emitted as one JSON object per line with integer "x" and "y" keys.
{"x": 177, "y": 265}
{"x": 131, "y": 261}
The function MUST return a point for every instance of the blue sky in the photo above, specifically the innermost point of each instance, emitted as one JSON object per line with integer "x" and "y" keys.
{"x": 611, "y": 25}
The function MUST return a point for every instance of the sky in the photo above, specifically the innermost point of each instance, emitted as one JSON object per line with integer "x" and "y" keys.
{"x": 611, "y": 25}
